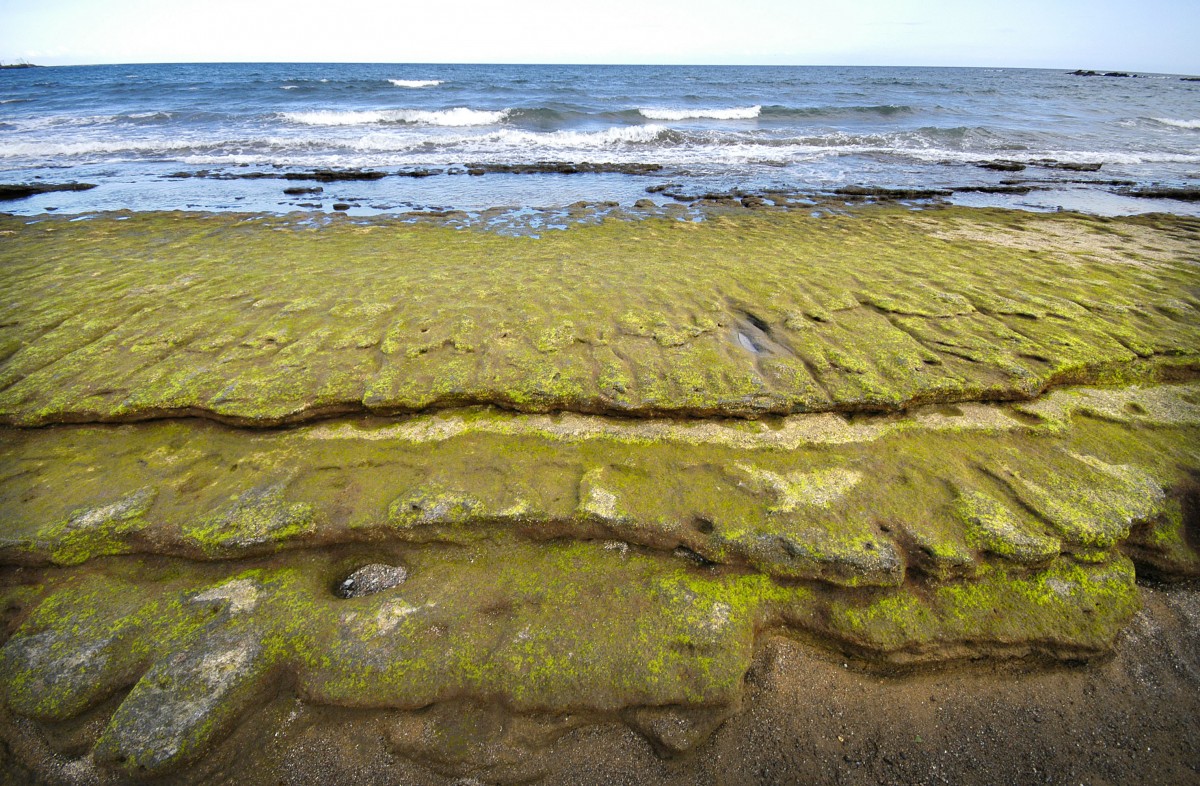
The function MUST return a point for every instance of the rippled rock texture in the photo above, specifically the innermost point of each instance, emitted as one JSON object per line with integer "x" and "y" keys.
{"x": 905, "y": 437}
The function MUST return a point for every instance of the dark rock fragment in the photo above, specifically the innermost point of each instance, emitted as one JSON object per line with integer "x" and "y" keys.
{"x": 1000, "y": 189}
{"x": 1162, "y": 192}
{"x": 862, "y": 192}
{"x": 564, "y": 168}
{"x": 1001, "y": 166}
{"x": 1069, "y": 166}
{"x": 370, "y": 579}
{"x": 9, "y": 191}
{"x": 331, "y": 175}
{"x": 300, "y": 190}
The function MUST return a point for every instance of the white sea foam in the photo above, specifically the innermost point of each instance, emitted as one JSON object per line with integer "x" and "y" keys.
{"x": 1167, "y": 121}
{"x": 416, "y": 82}
{"x": 514, "y": 140}
{"x": 288, "y": 87}
{"x": 458, "y": 116}
{"x": 735, "y": 113}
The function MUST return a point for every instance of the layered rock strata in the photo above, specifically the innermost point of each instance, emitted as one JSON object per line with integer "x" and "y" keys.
{"x": 570, "y": 479}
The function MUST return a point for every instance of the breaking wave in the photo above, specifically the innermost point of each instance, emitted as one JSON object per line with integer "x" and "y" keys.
{"x": 1167, "y": 121}
{"x": 458, "y": 116}
{"x": 416, "y": 82}
{"x": 736, "y": 113}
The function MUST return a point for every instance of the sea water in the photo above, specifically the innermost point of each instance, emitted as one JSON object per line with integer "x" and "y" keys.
{"x": 223, "y": 136}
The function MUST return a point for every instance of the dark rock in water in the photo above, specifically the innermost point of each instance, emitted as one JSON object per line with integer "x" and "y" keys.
{"x": 419, "y": 172}
{"x": 1190, "y": 79}
{"x": 10, "y": 191}
{"x": 300, "y": 190}
{"x": 207, "y": 173}
{"x": 563, "y": 168}
{"x": 753, "y": 202}
{"x": 370, "y": 579}
{"x": 644, "y": 204}
{"x": 1001, "y": 189}
{"x": 20, "y": 65}
{"x": 1001, "y": 166}
{"x": 1081, "y": 72}
{"x": 341, "y": 206}
{"x": 862, "y": 192}
{"x": 1157, "y": 192}
{"x": 1069, "y": 166}
{"x": 331, "y": 175}
{"x": 660, "y": 187}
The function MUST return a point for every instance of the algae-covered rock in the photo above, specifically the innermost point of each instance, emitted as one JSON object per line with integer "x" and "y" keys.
{"x": 185, "y": 701}
{"x": 253, "y": 518}
{"x": 998, "y": 529}
{"x": 839, "y": 428}
{"x": 876, "y": 311}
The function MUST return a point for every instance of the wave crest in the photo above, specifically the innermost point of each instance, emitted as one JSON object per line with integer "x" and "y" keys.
{"x": 1167, "y": 121}
{"x": 735, "y": 113}
{"x": 416, "y": 82}
{"x": 457, "y": 116}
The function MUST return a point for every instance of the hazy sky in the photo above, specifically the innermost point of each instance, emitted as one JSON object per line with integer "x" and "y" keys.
{"x": 1143, "y": 35}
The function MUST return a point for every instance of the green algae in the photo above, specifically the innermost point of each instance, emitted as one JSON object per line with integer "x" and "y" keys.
{"x": 561, "y": 626}
{"x": 857, "y": 504}
{"x": 996, "y": 528}
{"x": 1066, "y": 607}
{"x": 257, "y": 321}
{"x": 575, "y": 562}
{"x": 254, "y": 517}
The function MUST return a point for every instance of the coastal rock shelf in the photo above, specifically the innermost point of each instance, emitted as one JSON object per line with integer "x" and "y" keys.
{"x": 571, "y": 565}
{"x": 481, "y": 492}
{"x": 262, "y": 321}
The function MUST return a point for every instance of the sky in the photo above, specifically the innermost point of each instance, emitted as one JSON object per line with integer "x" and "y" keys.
{"x": 1146, "y": 35}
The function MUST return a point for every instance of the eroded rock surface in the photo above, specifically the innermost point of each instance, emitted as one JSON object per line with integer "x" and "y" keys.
{"x": 914, "y": 470}
{"x": 264, "y": 321}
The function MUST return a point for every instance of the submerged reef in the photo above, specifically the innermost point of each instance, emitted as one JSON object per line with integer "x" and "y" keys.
{"x": 529, "y": 485}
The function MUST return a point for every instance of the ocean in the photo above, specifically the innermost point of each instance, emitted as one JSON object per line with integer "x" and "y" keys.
{"x": 218, "y": 137}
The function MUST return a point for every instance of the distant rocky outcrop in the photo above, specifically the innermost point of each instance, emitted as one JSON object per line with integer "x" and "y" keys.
{"x": 1081, "y": 72}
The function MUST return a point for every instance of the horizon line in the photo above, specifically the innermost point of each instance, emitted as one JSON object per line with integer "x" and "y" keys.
{"x": 1101, "y": 70}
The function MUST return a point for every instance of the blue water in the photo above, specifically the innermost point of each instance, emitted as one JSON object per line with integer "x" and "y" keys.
{"x": 795, "y": 129}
